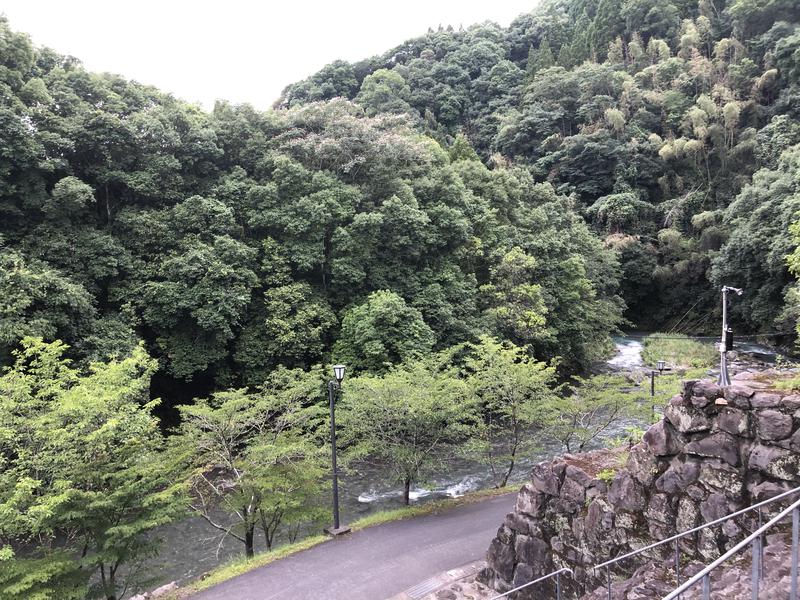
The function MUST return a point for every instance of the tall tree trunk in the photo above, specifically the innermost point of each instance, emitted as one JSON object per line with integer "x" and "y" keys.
{"x": 248, "y": 540}
{"x": 407, "y": 491}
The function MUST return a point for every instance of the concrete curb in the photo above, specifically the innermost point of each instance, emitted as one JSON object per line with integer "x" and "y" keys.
{"x": 437, "y": 582}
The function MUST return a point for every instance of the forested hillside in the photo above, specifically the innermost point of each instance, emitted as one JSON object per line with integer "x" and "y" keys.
{"x": 236, "y": 241}
{"x": 463, "y": 221}
{"x": 541, "y": 183}
{"x": 670, "y": 124}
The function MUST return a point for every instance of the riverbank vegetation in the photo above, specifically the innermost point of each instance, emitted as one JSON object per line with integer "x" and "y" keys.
{"x": 464, "y": 221}
{"x": 87, "y": 475}
{"x": 678, "y": 351}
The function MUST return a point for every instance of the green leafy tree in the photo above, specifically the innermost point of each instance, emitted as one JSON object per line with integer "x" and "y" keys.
{"x": 37, "y": 300}
{"x": 83, "y": 482}
{"x": 382, "y": 331}
{"x": 384, "y": 91}
{"x": 593, "y": 407}
{"x": 409, "y": 419}
{"x": 255, "y": 458}
{"x": 514, "y": 393}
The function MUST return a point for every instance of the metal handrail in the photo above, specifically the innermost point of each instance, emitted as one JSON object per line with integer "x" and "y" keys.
{"x": 677, "y": 537}
{"x": 556, "y": 574}
{"x": 754, "y": 539}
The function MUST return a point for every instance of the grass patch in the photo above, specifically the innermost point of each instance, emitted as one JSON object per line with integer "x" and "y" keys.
{"x": 240, "y": 565}
{"x": 678, "y": 351}
{"x": 792, "y": 384}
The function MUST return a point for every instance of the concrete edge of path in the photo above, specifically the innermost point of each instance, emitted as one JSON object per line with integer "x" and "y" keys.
{"x": 433, "y": 584}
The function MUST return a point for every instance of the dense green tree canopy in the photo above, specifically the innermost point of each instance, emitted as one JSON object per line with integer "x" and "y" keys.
{"x": 539, "y": 183}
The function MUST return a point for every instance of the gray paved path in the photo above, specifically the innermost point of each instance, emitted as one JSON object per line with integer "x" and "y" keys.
{"x": 374, "y": 563}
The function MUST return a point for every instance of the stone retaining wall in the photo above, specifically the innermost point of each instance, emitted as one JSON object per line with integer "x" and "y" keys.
{"x": 711, "y": 454}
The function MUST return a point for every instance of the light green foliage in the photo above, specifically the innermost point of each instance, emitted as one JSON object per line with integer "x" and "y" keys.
{"x": 607, "y": 475}
{"x": 514, "y": 304}
{"x": 594, "y": 406}
{"x": 514, "y": 393}
{"x": 409, "y": 419}
{"x": 82, "y": 475}
{"x": 255, "y": 457}
{"x": 384, "y": 91}
{"x": 678, "y": 351}
{"x": 383, "y": 331}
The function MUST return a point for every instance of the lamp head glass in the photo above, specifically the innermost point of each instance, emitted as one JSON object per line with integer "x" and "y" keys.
{"x": 338, "y": 372}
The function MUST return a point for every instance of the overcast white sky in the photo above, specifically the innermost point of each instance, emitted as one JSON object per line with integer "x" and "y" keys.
{"x": 234, "y": 49}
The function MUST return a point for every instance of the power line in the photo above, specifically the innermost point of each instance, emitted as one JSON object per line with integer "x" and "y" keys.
{"x": 709, "y": 337}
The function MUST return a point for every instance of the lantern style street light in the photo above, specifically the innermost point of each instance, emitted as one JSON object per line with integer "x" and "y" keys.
{"x": 661, "y": 365}
{"x": 334, "y": 385}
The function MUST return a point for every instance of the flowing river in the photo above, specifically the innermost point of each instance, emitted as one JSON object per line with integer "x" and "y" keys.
{"x": 192, "y": 547}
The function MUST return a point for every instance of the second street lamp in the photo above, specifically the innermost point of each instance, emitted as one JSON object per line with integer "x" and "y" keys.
{"x": 333, "y": 386}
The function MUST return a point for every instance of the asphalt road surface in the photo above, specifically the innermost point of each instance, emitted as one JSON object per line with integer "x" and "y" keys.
{"x": 374, "y": 563}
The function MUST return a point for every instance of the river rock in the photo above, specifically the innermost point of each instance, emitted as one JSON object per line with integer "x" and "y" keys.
{"x": 739, "y": 395}
{"x": 572, "y": 494}
{"x": 777, "y": 462}
{"x": 767, "y": 489}
{"x": 501, "y": 554}
{"x": 599, "y": 520}
{"x": 678, "y": 476}
{"x": 707, "y": 389}
{"x": 642, "y": 464}
{"x": 717, "y": 445}
{"x": 530, "y": 502}
{"x": 662, "y": 440}
{"x": 734, "y": 421}
{"x": 688, "y": 515}
{"x": 660, "y": 508}
{"x": 544, "y": 479}
{"x": 518, "y": 523}
{"x": 531, "y": 550}
{"x": 626, "y": 493}
{"x": 773, "y": 425}
{"x": 718, "y": 476}
{"x": 791, "y": 403}
{"x": 714, "y": 507}
{"x": 765, "y": 400}
{"x": 686, "y": 419}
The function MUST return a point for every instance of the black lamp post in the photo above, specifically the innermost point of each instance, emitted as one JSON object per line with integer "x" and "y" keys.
{"x": 333, "y": 387}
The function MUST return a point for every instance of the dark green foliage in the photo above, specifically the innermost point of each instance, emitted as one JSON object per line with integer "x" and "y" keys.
{"x": 648, "y": 112}
{"x": 381, "y": 332}
{"x": 451, "y": 174}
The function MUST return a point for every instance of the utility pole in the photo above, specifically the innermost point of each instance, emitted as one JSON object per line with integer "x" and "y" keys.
{"x": 724, "y": 379}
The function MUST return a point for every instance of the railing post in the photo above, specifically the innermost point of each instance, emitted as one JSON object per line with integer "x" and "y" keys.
{"x": 755, "y": 567}
{"x": 707, "y": 587}
{"x": 608, "y": 581}
{"x": 677, "y": 564}
{"x": 795, "y": 548}
{"x": 558, "y": 586}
